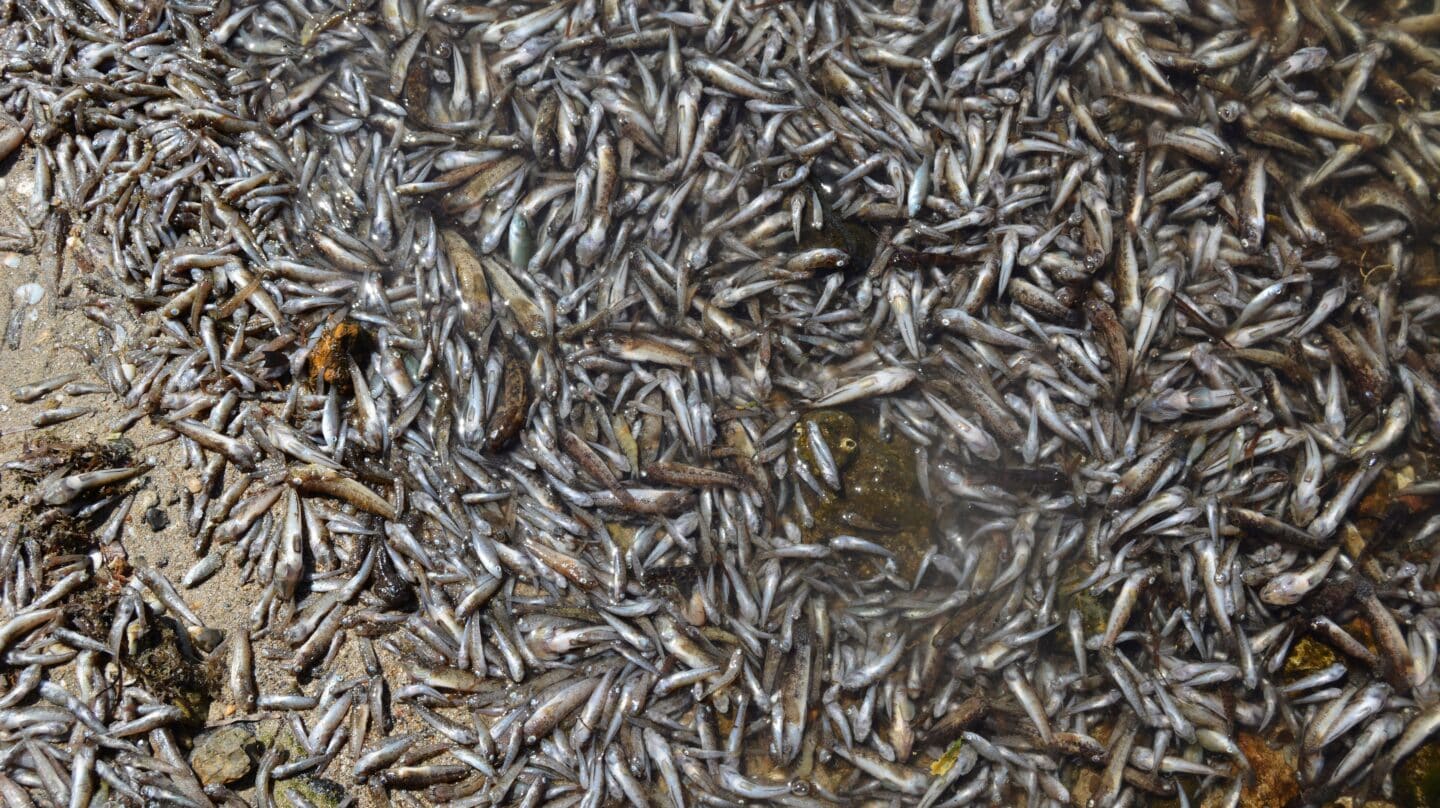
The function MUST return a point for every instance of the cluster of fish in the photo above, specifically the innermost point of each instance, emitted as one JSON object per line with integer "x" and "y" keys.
{"x": 533, "y": 354}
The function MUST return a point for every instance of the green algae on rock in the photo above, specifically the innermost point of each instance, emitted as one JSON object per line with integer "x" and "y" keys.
{"x": 881, "y": 498}
{"x": 316, "y": 791}
{"x": 1417, "y": 778}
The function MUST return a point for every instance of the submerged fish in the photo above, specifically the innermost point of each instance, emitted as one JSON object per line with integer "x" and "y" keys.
{"x": 708, "y": 403}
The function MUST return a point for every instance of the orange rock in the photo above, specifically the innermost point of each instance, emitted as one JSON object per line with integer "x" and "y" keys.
{"x": 1274, "y": 781}
{"x": 329, "y": 362}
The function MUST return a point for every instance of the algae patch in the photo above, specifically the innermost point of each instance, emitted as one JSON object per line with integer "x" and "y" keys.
{"x": 881, "y": 498}
{"x": 316, "y": 791}
{"x": 1307, "y": 656}
{"x": 157, "y": 657}
{"x": 1417, "y": 780}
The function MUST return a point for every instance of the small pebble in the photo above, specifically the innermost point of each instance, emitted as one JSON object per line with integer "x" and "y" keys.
{"x": 157, "y": 519}
{"x": 29, "y": 293}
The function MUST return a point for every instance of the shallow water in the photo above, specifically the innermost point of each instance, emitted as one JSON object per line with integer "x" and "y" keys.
{"x": 725, "y": 403}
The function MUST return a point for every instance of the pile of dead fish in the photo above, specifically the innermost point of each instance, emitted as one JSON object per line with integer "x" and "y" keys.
{"x": 722, "y": 402}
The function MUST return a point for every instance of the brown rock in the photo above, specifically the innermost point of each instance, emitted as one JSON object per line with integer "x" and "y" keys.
{"x": 224, "y": 755}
